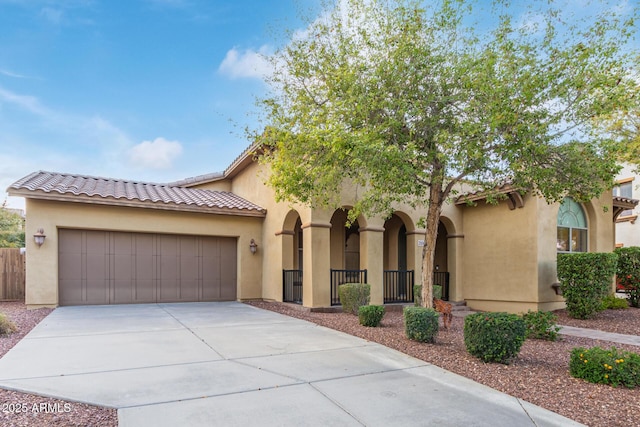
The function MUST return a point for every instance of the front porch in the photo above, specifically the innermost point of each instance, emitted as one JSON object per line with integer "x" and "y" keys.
{"x": 397, "y": 284}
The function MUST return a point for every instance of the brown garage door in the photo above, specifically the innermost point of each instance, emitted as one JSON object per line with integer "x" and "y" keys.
{"x": 99, "y": 267}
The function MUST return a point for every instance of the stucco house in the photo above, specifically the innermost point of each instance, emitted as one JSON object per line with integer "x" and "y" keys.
{"x": 222, "y": 236}
{"x": 627, "y": 227}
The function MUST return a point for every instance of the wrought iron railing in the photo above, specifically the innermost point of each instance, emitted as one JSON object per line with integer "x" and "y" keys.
{"x": 398, "y": 286}
{"x": 292, "y": 286}
{"x": 339, "y": 277}
{"x": 442, "y": 278}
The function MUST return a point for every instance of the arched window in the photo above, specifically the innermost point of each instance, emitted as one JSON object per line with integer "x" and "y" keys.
{"x": 572, "y": 227}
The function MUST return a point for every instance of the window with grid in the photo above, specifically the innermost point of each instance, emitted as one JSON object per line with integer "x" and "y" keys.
{"x": 572, "y": 227}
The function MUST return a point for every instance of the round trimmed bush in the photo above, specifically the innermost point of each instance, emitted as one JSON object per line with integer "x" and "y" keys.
{"x": 370, "y": 315}
{"x": 494, "y": 337}
{"x": 354, "y": 295}
{"x": 421, "y": 324}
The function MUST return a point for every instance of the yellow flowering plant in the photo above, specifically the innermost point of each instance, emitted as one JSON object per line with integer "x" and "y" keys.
{"x": 614, "y": 367}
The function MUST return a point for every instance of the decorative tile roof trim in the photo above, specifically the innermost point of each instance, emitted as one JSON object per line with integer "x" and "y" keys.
{"x": 239, "y": 163}
{"x": 514, "y": 198}
{"x": 200, "y": 179}
{"x": 88, "y": 189}
{"x": 621, "y": 204}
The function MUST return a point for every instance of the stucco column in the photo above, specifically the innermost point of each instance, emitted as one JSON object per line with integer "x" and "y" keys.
{"x": 454, "y": 265}
{"x": 286, "y": 243}
{"x": 316, "y": 275}
{"x": 414, "y": 254}
{"x": 372, "y": 259}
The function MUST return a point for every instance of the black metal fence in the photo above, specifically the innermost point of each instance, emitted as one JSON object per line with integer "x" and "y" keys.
{"x": 339, "y": 277}
{"x": 398, "y": 286}
{"x": 442, "y": 278}
{"x": 292, "y": 286}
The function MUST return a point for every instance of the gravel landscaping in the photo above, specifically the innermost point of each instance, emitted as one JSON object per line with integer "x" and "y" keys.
{"x": 21, "y": 409}
{"x": 539, "y": 374}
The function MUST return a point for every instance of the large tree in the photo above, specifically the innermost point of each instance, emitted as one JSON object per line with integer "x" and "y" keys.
{"x": 407, "y": 101}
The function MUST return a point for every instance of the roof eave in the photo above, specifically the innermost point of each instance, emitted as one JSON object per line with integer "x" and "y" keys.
{"x": 122, "y": 202}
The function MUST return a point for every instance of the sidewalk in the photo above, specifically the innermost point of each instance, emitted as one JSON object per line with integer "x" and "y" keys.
{"x": 600, "y": 335}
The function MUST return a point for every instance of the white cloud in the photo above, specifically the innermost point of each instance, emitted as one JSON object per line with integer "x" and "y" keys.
{"x": 52, "y": 15}
{"x": 247, "y": 64}
{"x": 25, "y": 102}
{"x": 157, "y": 154}
{"x": 12, "y": 74}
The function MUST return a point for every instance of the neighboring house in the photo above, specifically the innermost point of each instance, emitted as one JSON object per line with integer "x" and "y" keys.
{"x": 223, "y": 236}
{"x": 628, "y": 187}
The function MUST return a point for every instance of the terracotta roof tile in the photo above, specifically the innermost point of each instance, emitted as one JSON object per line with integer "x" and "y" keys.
{"x": 57, "y": 185}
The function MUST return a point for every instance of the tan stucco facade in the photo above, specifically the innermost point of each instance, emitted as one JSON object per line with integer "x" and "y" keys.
{"x": 51, "y": 216}
{"x": 498, "y": 257}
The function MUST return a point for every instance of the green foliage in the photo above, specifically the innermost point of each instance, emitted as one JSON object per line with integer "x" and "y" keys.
{"x": 421, "y": 324}
{"x": 6, "y": 326}
{"x": 585, "y": 279}
{"x": 541, "y": 325}
{"x": 611, "y": 302}
{"x": 370, "y": 315}
{"x": 11, "y": 229}
{"x": 417, "y": 295}
{"x": 628, "y": 273}
{"x": 494, "y": 337}
{"x": 404, "y": 100}
{"x": 614, "y": 367}
{"x": 437, "y": 291}
{"x": 354, "y": 295}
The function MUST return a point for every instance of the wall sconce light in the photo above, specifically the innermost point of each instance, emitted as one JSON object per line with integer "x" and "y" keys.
{"x": 253, "y": 247}
{"x": 39, "y": 237}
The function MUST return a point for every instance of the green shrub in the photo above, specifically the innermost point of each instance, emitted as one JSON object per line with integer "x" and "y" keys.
{"x": 370, "y": 315}
{"x": 585, "y": 279}
{"x": 628, "y": 273}
{"x": 614, "y": 367}
{"x": 6, "y": 326}
{"x": 611, "y": 302}
{"x": 541, "y": 325}
{"x": 421, "y": 324}
{"x": 437, "y": 291}
{"x": 354, "y": 295}
{"x": 494, "y": 337}
{"x": 417, "y": 294}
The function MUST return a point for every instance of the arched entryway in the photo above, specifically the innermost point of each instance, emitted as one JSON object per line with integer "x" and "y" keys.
{"x": 345, "y": 253}
{"x": 292, "y": 258}
{"x": 399, "y": 274}
{"x": 441, "y": 276}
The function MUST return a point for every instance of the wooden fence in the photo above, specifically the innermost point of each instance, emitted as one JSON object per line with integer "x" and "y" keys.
{"x": 12, "y": 274}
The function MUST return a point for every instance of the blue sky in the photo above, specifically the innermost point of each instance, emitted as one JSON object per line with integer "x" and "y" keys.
{"x": 152, "y": 90}
{"x": 147, "y": 90}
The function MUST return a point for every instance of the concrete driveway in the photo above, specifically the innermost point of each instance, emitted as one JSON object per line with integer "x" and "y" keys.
{"x": 228, "y": 364}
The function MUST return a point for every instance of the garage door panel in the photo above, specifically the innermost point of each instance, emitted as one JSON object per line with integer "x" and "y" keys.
{"x": 97, "y": 267}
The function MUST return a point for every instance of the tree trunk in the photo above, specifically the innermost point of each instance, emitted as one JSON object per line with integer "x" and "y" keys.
{"x": 434, "y": 209}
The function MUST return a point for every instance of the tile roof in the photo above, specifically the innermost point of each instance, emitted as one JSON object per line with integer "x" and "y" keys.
{"x": 244, "y": 159}
{"x": 81, "y": 188}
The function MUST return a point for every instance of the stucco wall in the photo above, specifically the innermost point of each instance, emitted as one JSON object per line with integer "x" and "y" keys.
{"x": 42, "y": 262}
{"x": 510, "y": 255}
{"x": 628, "y": 232}
{"x": 500, "y": 256}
